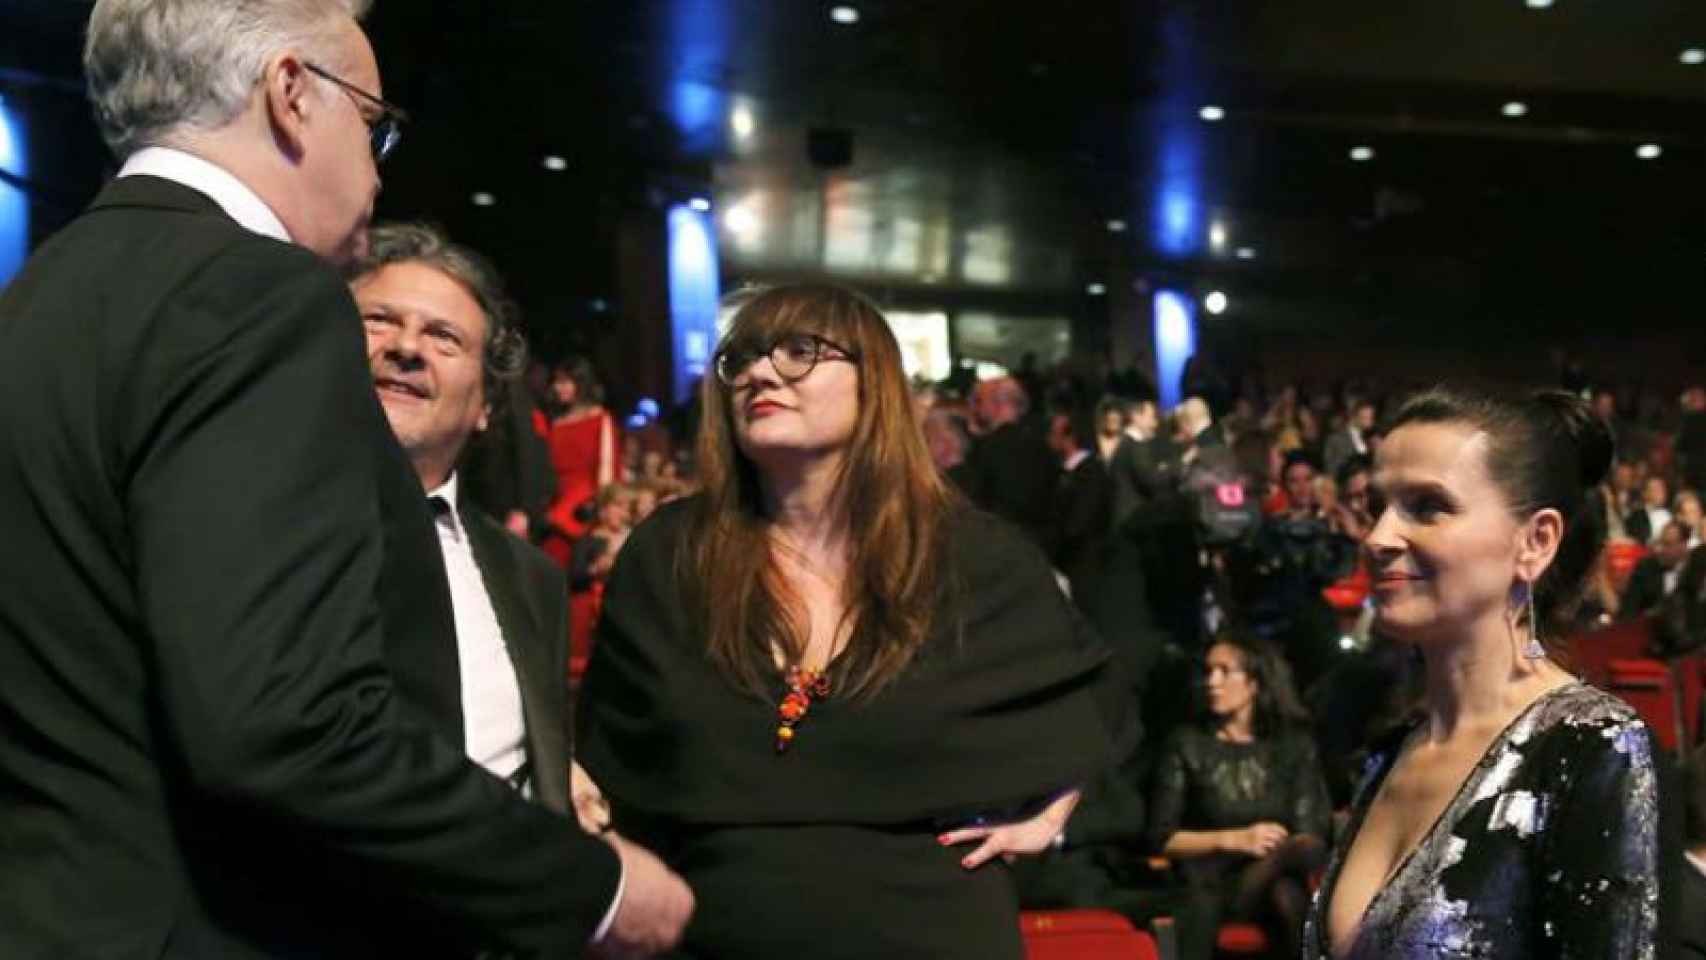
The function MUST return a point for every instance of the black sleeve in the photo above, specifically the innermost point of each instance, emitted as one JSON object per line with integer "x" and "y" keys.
{"x": 250, "y": 487}
{"x": 1167, "y": 793}
{"x": 1599, "y": 859}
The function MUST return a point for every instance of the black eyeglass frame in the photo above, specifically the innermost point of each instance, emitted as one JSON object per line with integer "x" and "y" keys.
{"x": 823, "y": 349}
{"x": 385, "y": 131}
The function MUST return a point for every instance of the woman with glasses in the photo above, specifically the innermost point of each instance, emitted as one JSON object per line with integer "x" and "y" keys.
{"x": 828, "y": 692}
{"x": 1238, "y": 797}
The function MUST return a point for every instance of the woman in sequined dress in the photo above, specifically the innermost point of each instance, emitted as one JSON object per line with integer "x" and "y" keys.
{"x": 1238, "y": 798}
{"x": 1516, "y": 816}
{"x": 826, "y": 691}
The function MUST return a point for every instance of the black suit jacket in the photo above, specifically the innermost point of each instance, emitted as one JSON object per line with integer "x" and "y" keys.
{"x": 1011, "y": 473}
{"x": 1142, "y": 471}
{"x": 211, "y": 539}
{"x": 531, "y": 602}
{"x": 1644, "y": 591}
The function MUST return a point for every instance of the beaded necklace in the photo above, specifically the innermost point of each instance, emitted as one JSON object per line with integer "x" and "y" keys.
{"x": 803, "y": 687}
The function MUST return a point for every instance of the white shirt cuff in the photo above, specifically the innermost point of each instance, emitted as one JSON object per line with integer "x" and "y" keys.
{"x": 615, "y": 903}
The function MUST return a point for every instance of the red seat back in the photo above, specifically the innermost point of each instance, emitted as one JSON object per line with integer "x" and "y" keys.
{"x": 1591, "y": 653}
{"x": 1241, "y": 940}
{"x": 1620, "y": 559}
{"x": 1083, "y": 935}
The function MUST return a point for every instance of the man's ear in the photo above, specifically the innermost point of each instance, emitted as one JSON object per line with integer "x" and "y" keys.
{"x": 289, "y": 106}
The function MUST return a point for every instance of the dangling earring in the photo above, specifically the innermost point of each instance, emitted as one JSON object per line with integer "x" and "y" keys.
{"x": 1535, "y": 650}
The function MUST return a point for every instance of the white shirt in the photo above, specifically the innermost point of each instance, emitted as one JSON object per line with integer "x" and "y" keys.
{"x": 494, "y": 728}
{"x": 233, "y": 195}
{"x": 1077, "y": 457}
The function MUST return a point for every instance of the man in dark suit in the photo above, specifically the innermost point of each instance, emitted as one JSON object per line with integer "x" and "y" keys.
{"x": 441, "y": 344}
{"x": 1144, "y": 465}
{"x": 1010, "y": 471}
{"x": 1352, "y": 440}
{"x": 212, "y": 538}
{"x": 1656, "y": 575}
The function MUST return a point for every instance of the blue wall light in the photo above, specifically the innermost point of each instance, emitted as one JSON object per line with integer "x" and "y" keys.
{"x": 1175, "y": 342}
{"x": 693, "y": 295}
{"x": 14, "y": 205}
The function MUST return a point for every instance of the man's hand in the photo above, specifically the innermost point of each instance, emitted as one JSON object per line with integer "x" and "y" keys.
{"x": 656, "y": 905}
{"x": 590, "y": 807}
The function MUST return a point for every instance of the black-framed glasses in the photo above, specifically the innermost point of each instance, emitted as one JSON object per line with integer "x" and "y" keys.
{"x": 383, "y": 131}
{"x": 794, "y": 356}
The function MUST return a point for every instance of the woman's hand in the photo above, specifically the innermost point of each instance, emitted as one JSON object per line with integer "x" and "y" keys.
{"x": 1008, "y": 840}
{"x": 590, "y": 808}
{"x": 1257, "y": 839}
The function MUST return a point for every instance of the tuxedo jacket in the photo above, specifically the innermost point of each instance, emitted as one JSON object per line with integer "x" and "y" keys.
{"x": 530, "y": 599}
{"x": 212, "y": 542}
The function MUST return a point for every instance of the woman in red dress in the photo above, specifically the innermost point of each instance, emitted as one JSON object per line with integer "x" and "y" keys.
{"x": 583, "y": 442}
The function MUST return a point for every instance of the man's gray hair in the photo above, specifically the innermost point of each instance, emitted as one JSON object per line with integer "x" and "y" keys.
{"x": 505, "y": 351}
{"x": 158, "y": 67}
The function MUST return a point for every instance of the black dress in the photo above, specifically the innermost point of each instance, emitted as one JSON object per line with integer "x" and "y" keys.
{"x": 1549, "y": 849}
{"x": 829, "y": 850}
{"x": 1205, "y": 783}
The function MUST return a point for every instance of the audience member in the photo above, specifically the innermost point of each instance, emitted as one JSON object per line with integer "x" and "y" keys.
{"x": 583, "y": 442}
{"x": 1352, "y": 440}
{"x": 1010, "y": 470}
{"x": 1656, "y": 575}
{"x": 1646, "y": 521}
{"x": 1238, "y": 799}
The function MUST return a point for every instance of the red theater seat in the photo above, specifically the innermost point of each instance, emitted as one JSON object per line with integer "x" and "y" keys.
{"x": 1241, "y": 940}
{"x": 1083, "y": 935}
{"x": 1620, "y": 559}
{"x": 1647, "y": 685}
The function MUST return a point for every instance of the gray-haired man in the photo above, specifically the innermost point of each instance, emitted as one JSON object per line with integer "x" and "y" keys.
{"x": 210, "y": 536}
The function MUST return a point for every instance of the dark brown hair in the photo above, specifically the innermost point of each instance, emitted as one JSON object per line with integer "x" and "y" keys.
{"x": 892, "y": 502}
{"x": 1278, "y": 707}
{"x": 1547, "y": 450}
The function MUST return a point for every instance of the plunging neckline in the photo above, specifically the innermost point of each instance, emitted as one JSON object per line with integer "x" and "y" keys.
{"x": 1449, "y": 813}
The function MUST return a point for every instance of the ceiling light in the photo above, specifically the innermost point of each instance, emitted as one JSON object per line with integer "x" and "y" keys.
{"x": 1246, "y": 253}
{"x": 740, "y": 220}
{"x": 700, "y": 204}
{"x": 1516, "y": 108}
{"x": 1649, "y": 151}
{"x": 1116, "y": 226}
{"x": 1217, "y": 236}
{"x": 483, "y": 199}
{"x": 741, "y": 122}
{"x": 1360, "y": 154}
{"x": 1211, "y": 113}
{"x": 1693, "y": 56}
{"x": 556, "y": 164}
{"x": 1095, "y": 289}
{"x": 1538, "y": 4}
{"x": 844, "y": 14}
{"x": 1215, "y": 302}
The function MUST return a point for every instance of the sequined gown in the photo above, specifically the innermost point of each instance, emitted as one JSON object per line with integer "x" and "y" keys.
{"x": 1549, "y": 849}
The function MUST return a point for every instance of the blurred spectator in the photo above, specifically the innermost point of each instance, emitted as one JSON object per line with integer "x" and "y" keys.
{"x": 1110, "y": 427}
{"x": 583, "y": 443}
{"x": 1238, "y": 799}
{"x": 1646, "y": 521}
{"x": 1355, "y": 514}
{"x": 1010, "y": 471}
{"x": 945, "y": 437}
{"x": 593, "y": 556}
{"x": 1352, "y": 440}
{"x": 1656, "y": 575}
{"x": 1691, "y": 438}
{"x": 1145, "y": 464}
{"x": 1688, "y": 510}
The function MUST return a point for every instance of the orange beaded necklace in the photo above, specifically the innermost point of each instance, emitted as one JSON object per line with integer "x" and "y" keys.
{"x": 803, "y": 687}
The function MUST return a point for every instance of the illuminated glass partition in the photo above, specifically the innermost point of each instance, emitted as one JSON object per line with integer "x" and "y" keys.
{"x": 693, "y": 295}
{"x": 1175, "y": 342}
{"x": 14, "y": 205}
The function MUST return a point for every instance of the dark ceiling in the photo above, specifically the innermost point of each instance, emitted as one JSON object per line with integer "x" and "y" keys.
{"x": 994, "y": 140}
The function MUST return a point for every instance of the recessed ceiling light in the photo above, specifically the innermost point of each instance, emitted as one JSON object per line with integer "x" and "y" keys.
{"x": 1516, "y": 108}
{"x": 1246, "y": 253}
{"x": 1215, "y": 302}
{"x": 741, "y": 122}
{"x": 740, "y": 220}
{"x": 1211, "y": 113}
{"x": 1116, "y": 226}
{"x": 1360, "y": 154}
{"x": 1095, "y": 289}
{"x": 556, "y": 163}
{"x": 483, "y": 199}
{"x": 1538, "y": 4}
{"x": 1693, "y": 56}
{"x": 700, "y": 204}
{"x": 844, "y": 14}
{"x": 1649, "y": 151}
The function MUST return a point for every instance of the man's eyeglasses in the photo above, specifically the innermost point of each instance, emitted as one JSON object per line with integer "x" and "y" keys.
{"x": 384, "y": 130}
{"x": 794, "y": 356}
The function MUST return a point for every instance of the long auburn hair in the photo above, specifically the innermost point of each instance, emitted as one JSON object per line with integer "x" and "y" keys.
{"x": 892, "y": 503}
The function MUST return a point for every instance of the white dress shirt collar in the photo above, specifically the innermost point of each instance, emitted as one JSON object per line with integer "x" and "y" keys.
{"x": 233, "y": 195}
{"x": 447, "y": 490}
